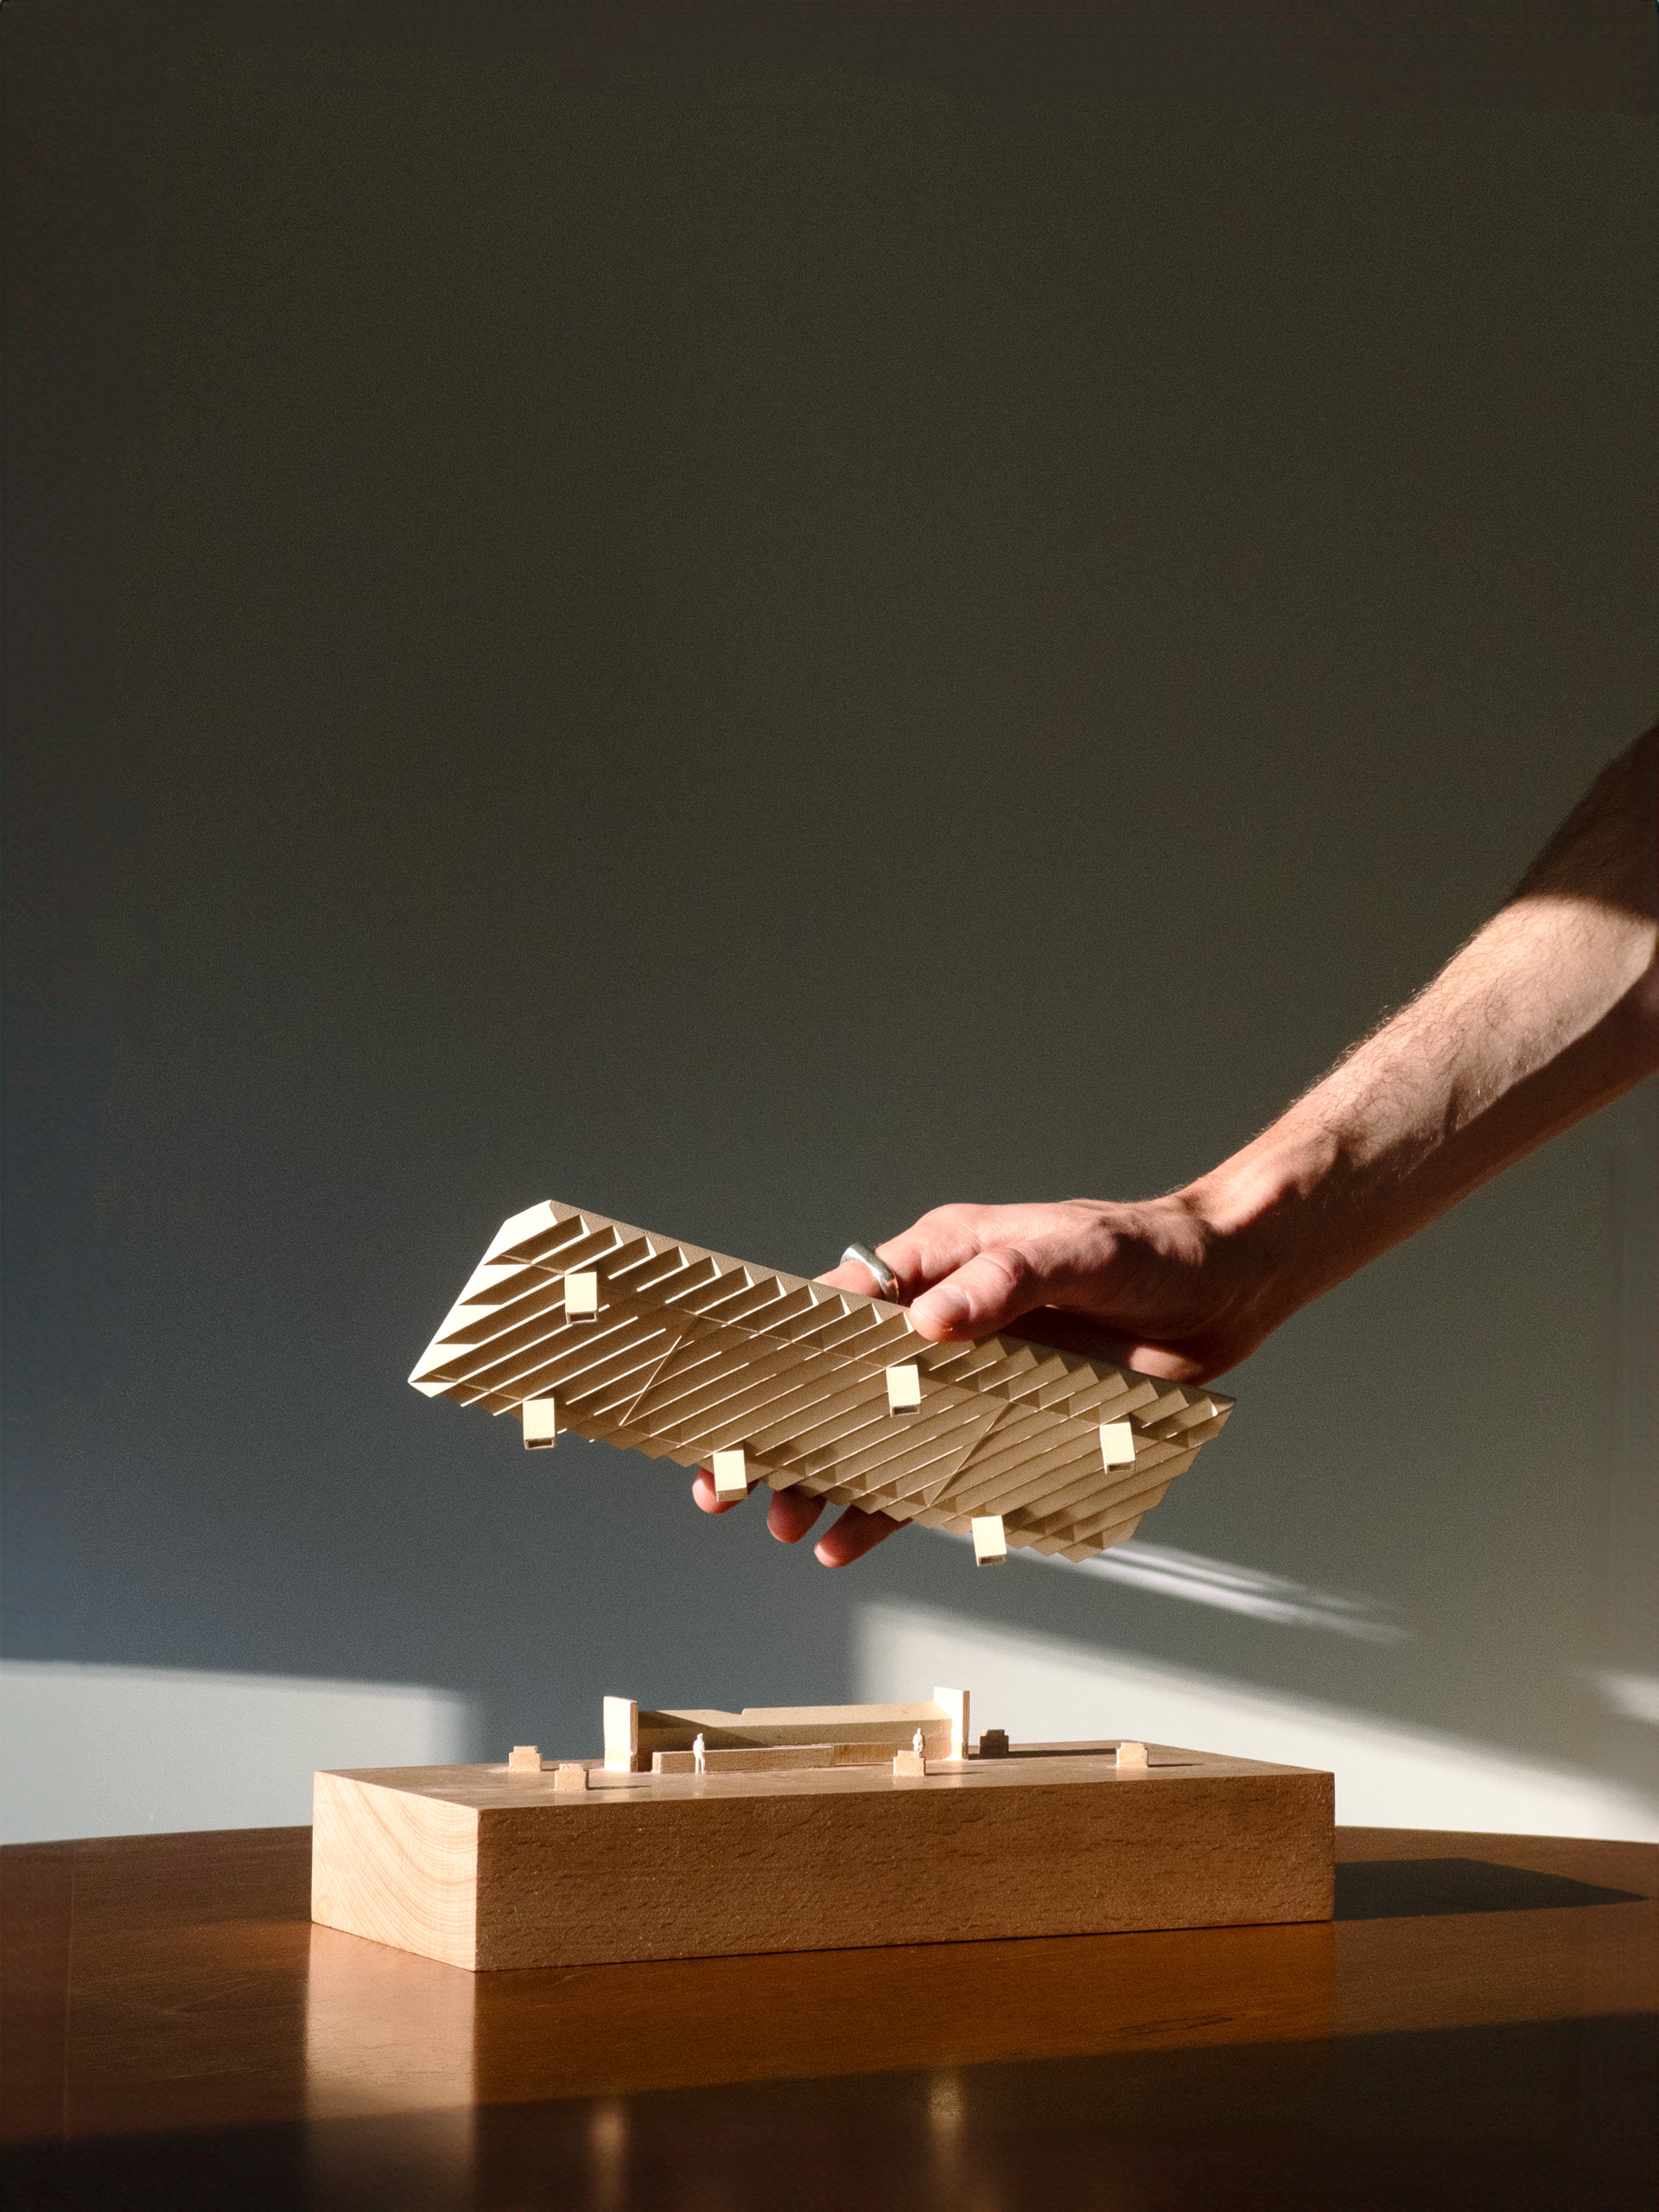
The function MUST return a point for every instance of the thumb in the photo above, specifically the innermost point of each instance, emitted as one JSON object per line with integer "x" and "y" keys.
{"x": 985, "y": 1295}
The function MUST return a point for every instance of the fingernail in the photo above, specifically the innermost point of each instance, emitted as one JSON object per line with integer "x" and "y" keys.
{"x": 940, "y": 1309}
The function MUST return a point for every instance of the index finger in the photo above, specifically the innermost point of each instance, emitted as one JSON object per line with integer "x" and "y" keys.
{"x": 931, "y": 1249}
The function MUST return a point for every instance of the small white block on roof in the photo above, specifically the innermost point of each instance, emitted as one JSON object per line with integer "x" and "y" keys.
{"x": 990, "y": 1543}
{"x": 541, "y": 1423}
{"x": 903, "y": 1388}
{"x": 731, "y": 1476}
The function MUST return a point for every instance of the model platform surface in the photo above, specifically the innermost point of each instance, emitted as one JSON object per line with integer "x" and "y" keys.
{"x": 576, "y": 1322}
{"x": 755, "y": 1844}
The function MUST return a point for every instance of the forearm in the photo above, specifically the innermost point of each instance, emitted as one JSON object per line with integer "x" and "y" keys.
{"x": 1549, "y": 1013}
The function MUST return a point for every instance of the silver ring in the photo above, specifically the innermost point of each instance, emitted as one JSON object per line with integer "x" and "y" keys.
{"x": 887, "y": 1282}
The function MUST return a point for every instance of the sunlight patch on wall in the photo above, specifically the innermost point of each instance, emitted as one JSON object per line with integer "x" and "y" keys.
{"x": 1633, "y": 1697}
{"x": 137, "y": 1751}
{"x": 1042, "y": 1688}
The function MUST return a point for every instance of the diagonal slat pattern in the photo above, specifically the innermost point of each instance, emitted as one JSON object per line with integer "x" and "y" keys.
{"x": 691, "y": 1352}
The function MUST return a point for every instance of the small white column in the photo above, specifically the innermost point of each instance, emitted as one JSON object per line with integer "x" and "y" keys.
{"x": 621, "y": 1734}
{"x": 956, "y": 1704}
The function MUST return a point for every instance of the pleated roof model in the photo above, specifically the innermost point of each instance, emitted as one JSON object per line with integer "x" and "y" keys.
{"x": 578, "y": 1323}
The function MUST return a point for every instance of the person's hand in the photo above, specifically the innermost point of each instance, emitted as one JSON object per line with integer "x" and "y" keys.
{"x": 1156, "y": 1286}
{"x": 1547, "y": 1014}
{"x": 791, "y": 1513}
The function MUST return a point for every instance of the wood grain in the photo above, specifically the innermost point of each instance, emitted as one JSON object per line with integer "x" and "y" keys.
{"x": 170, "y": 1983}
{"x": 482, "y": 1869}
{"x": 401, "y": 1867}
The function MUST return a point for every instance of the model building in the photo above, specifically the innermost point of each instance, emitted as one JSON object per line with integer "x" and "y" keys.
{"x": 575, "y": 1322}
{"x": 811, "y": 1828}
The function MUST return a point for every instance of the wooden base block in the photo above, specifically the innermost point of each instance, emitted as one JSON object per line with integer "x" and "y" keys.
{"x": 487, "y": 1869}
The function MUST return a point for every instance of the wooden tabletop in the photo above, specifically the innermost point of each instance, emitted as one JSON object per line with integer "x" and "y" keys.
{"x": 1476, "y": 2028}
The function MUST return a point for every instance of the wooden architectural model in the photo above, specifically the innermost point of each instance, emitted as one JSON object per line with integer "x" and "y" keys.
{"x": 576, "y": 1322}
{"x": 701, "y": 1834}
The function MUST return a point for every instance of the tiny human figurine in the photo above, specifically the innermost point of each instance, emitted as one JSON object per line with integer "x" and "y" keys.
{"x": 916, "y": 1743}
{"x": 699, "y": 1764}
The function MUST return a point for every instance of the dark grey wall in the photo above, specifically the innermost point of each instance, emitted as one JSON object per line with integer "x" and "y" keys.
{"x": 759, "y": 643}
